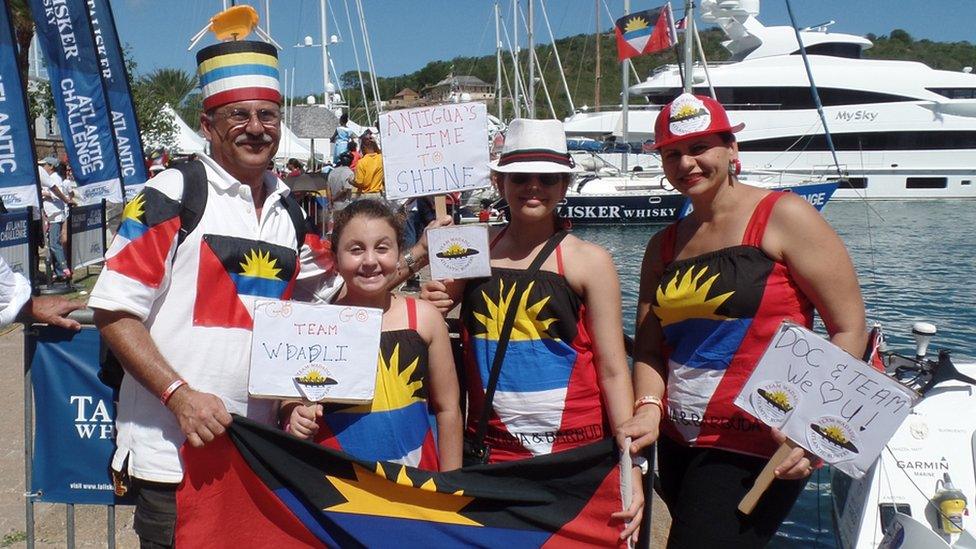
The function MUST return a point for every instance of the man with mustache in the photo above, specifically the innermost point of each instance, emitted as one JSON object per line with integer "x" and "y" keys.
{"x": 194, "y": 251}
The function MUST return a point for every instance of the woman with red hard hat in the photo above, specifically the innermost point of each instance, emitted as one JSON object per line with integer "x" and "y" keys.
{"x": 715, "y": 287}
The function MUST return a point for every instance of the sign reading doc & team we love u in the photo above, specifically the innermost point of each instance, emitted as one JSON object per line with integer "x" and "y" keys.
{"x": 314, "y": 352}
{"x": 825, "y": 400}
{"x": 437, "y": 149}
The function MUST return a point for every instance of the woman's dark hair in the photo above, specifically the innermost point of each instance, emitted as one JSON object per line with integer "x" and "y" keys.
{"x": 727, "y": 137}
{"x": 370, "y": 146}
{"x": 370, "y": 209}
{"x": 352, "y": 146}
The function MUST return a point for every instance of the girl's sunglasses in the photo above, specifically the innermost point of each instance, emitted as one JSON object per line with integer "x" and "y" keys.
{"x": 545, "y": 179}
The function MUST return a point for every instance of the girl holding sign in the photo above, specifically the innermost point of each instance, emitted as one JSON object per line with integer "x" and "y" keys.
{"x": 561, "y": 376}
{"x": 715, "y": 287}
{"x": 416, "y": 365}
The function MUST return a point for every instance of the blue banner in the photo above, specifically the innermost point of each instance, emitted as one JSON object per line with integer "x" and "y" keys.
{"x": 74, "y": 412}
{"x": 116, "y": 78}
{"x": 65, "y": 35}
{"x": 15, "y": 242}
{"x": 18, "y": 167}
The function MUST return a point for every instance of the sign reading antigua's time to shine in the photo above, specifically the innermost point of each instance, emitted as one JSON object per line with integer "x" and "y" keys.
{"x": 435, "y": 150}
{"x": 315, "y": 352}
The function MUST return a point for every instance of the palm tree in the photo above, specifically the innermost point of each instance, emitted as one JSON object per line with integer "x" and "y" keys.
{"x": 23, "y": 25}
{"x": 24, "y": 31}
{"x": 175, "y": 87}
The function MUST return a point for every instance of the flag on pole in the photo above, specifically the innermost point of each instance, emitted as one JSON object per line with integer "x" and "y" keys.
{"x": 70, "y": 50}
{"x": 116, "y": 78}
{"x": 18, "y": 185}
{"x": 260, "y": 487}
{"x": 636, "y": 36}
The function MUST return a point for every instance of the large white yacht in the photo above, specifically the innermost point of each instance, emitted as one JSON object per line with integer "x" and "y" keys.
{"x": 902, "y": 130}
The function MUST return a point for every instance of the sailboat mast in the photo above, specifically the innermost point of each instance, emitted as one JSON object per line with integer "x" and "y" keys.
{"x": 689, "y": 39}
{"x": 498, "y": 61}
{"x": 625, "y": 101}
{"x": 323, "y": 20}
{"x": 531, "y": 36}
{"x": 559, "y": 62}
{"x": 597, "y": 77}
{"x": 813, "y": 89}
{"x": 515, "y": 47}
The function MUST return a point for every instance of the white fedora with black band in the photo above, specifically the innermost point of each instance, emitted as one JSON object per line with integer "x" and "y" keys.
{"x": 534, "y": 146}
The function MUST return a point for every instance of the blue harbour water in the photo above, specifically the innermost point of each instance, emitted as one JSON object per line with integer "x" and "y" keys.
{"x": 915, "y": 261}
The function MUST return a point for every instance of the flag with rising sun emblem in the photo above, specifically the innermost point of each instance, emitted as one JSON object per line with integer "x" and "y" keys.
{"x": 396, "y": 425}
{"x": 233, "y": 268}
{"x": 718, "y": 312}
{"x": 548, "y": 397}
{"x": 636, "y": 36}
{"x": 259, "y": 487}
{"x": 141, "y": 248}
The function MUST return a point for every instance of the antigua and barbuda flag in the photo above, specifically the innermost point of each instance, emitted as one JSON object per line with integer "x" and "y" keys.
{"x": 231, "y": 267}
{"x": 260, "y": 487}
{"x": 142, "y": 244}
{"x": 636, "y": 36}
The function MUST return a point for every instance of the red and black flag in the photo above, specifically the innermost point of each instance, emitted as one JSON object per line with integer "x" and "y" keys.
{"x": 636, "y": 36}
{"x": 231, "y": 267}
{"x": 262, "y": 487}
{"x": 141, "y": 247}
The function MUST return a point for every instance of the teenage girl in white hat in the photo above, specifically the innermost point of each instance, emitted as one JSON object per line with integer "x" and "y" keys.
{"x": 564, "y": 380}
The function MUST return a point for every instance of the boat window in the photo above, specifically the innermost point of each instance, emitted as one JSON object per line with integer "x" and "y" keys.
{"x": 775, "y": 98}
{"x": 853, "y": 183}
{"x": 926, "y": 183}
{"x": 874, "y": 141}
{"x": 955, "y": 93}
{"x": 834, "y": 49}
{"x": 966, "y": 182}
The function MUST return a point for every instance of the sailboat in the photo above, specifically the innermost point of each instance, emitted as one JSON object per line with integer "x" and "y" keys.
{"x": 612, "y": 195}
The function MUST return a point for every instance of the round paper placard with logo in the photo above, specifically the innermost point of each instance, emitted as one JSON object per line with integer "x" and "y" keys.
{"x": 688, "y": 115}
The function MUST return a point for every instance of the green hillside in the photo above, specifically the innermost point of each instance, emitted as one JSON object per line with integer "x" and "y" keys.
{"x": 578, "y": 54}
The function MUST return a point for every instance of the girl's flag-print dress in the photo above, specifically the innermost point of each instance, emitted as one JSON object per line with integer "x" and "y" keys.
{"x": 548, "y": 397}
{"x": 718, "y": 312}
{"x": 396, "y": 426}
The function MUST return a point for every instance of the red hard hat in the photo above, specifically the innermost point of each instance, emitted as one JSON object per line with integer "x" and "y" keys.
{"x": 690, "y": 116}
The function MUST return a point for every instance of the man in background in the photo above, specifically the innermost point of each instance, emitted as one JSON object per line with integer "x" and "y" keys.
{"x": 341, "y": 182}
{"x": 54, "y": 205}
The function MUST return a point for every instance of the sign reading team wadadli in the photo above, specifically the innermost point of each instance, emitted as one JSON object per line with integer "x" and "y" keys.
{"x": 315, "y": 352}
{"x": 435, "y": 150}
{"x": 825, "y": 400}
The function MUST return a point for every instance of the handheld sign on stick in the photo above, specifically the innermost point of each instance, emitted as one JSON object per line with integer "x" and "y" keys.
{"x": 438, "y": 150}
{"x": 458, "y": 252}
{"x": 314, "y": 352}
{"x": 434, "y": 150}
{"x": 824, "y": 400}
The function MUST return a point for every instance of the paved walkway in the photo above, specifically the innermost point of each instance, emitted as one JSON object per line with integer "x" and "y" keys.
{"x": 90, "y": 521}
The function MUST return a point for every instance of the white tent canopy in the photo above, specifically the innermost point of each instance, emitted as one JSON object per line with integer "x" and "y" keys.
{"x": 292, "y": 146}
{"x": 187, "y": 140}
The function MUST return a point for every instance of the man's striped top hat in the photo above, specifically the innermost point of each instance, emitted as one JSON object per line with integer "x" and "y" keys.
{"x": 238, "y": 71}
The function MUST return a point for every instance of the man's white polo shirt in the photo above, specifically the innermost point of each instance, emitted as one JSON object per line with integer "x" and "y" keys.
{"x": 197, "y": 305}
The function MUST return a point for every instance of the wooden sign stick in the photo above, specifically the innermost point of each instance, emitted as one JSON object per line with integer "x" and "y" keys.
{"x": 765, "y": 478}
{"x": 440, "y": 206}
